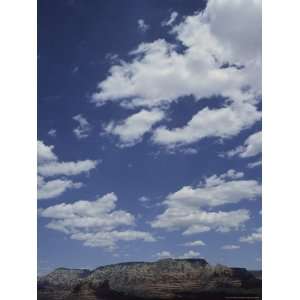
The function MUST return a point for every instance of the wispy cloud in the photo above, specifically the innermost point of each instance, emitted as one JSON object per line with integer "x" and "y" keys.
{"x": 253, "y": 237}
{"x": 195, "y": 244}
{"x": 254, "y": 164}
{"x": 52, "y": 132}
{"x": 230, "y": 247}
{"x": 171, "y": 19}
{"x": 142, "y": 26}
{"x": 83, "y": 129}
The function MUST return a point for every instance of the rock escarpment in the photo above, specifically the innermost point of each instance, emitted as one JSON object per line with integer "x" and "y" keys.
{"x": 164, "y": 279}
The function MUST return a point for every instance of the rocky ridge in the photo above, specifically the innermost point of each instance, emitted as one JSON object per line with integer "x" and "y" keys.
{"x": 164, "y": 279}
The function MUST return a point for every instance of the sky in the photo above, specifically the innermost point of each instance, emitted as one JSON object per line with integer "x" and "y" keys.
{"x": 149, "y": 132}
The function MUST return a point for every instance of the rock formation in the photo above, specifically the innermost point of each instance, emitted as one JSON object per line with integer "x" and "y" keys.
{"x": 164, "y": 279}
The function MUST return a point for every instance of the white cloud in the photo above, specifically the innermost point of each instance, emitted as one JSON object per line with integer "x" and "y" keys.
{"x": 171, "y": 20}
{"x": 131, "y": 130}
{"x": 194, "y": 221}
{"x": 142, "y": 25}
{"x": 164, "y": 254}
{"x": 112, "y": 57}
{"x": 110, "y": 239}
{"x": 52, "y": 132}
{"x": 144, "y": 199}
{"x": 49, "y": 166}
{"x": 189, "y": 151}
{"x": 195, "y": 244}
{"x": 181, "y": 150}
{"x": 146, "y": 202}
{"x": 66, "y": 168}
{"x": 220, "y": 59}
{"x": 232, "y": 174}
{"x": 185, "y": 208}
{"x": 252, "y": 146}
{"x": 83, "y": 208}
{"x": 211, "y": 195}
{"x": 167, "y": 254}
{"x": 94, "y": 222}
{"x": 244, "y": 40}
{"x": 54, "y": 188}
{"x": 254, "y": 164}
{"x": 215, "y": 180}
{"x": 230, "y": 247}
{"x": 83, "y": 129}
{"x": 45, "y": 153}
{"x": 224, "y": 123}
{"x": 190, "y": 254}
{"x": 253, "y": 237}
{"x": 159, "y": 74}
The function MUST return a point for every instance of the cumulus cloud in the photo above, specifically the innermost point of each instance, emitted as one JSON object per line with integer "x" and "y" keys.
{"x": 219, "y": 58}
{"x": 142, "y": 26}
{"x": 131, "y": 130}
{"x": 66, "y": 168}
{"x": 171, "y": 20}
{"x": 211, "y": 194}
{"x": 220, "y": 123}
{"x": 45, "y": 153}
{"x": 252, "y": 146}
{"x": 185, "y": 209}
{"x": 110, "y": 239}
{"x": 50, "y": 166}
{"x": 54, "y": 188}
{"x": 95, "y": 223}
{"x": 195, "y": 243}
{"x": 83, "y": 129}
{"x": 230, "y": 247}
{"x": 194, "y": 221}
{"x": 253, "y": 237}
{"x": 158, "y": 73}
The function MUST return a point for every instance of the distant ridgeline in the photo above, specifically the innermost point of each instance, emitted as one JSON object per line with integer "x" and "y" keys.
{"x": 164, "y": 279}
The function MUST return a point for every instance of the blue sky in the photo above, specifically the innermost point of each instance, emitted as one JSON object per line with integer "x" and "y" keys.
{"x": 149, "y": 121}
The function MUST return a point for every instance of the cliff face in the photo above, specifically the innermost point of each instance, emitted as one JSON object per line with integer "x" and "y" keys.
{"x": 64, "y": 277}
{"x": 58, "y": 284}
{"x": 164, "y": 279}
